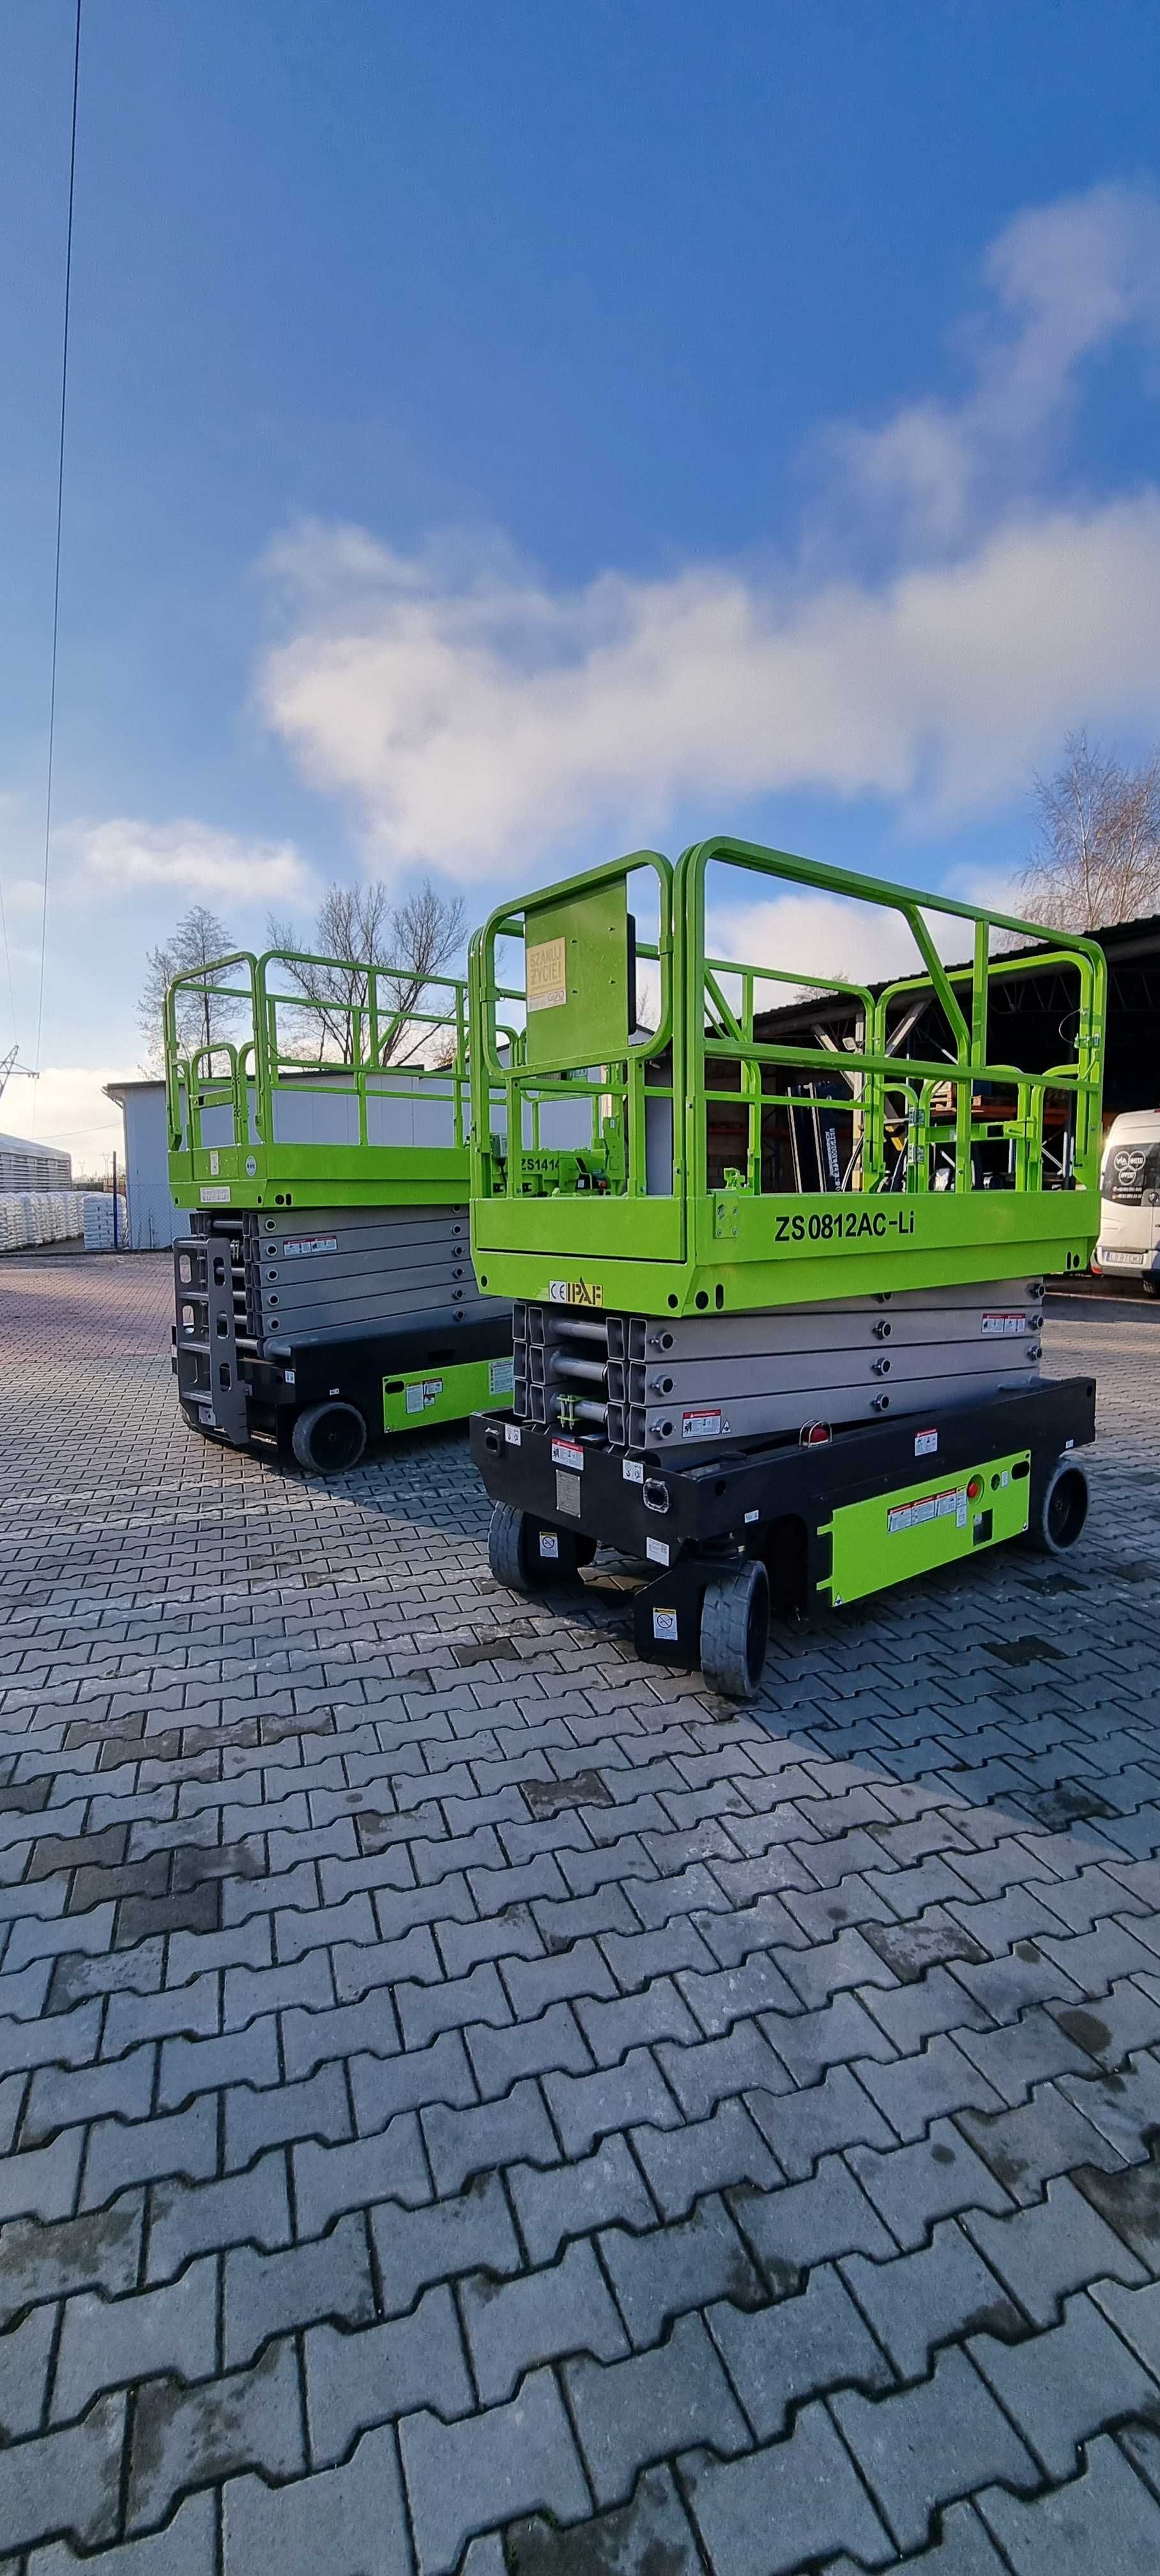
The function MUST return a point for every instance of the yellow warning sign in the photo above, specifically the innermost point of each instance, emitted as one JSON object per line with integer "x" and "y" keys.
{"x": 547, "y": 975}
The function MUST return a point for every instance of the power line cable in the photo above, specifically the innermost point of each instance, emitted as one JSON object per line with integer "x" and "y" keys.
{"x": 72, "y": 175}
{"x": 7, "y": 957}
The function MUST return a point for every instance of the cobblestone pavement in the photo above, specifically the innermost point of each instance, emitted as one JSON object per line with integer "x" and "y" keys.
{"x": 468, "y": 2103}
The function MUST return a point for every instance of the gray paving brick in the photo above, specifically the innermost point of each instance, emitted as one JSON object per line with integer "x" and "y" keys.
{"x": 573, "y": 2199}
{"x": 42, "y": 2182}
{"x": 357, "y": 2380}
{"x": 59, "y": 2039}
{"x": 836, "y": 2113}
{"x": 508, "y": 2461}
{"x": 189, "y": 2012}
{"x": 923, "y": 2446}
{"x": 661, "y": 2401}
{"x": 674, "y": 2269}
{"x": 237, "y": 2057}
{"x": 349, "y": 2520}
{"x": 566, "y": 2308}
{"x": 25, "y": 2355}
{"x": 462, "y": 2143}
{"x": 704, "y": 2155}
{"x": 1106, "y": 2518}
{"x": 809, "y": 2222}
{"x": 1040, "y": 2254}
{"x": 425, "y": 2010}
{"x": 1067, "y": 2384}
{"x": 937, "y": 2176}
{"x": 1135, "y": 2315}
{"x": 186, "y": 2547}
{"x": 194, "y": 2436}
{"x": 316, "y": 2107}
{"x": 48, "y": 2262}
{"x": 706, "y": 2073}
{"x": 267, "y": 2294}
{"x": 249, "y": 1992}
{"x": 555, "y": 2044}
{"x": 189, "y": 2218}
{"x": 470, "y": 2233}
{"x": 835, "y": 2035}
{"x": 920, "y": 2300}
{"x": 649, "y": 2537}
{"x": 383, "y": 2086}
{"x": 108, "y": 2343}
{"x": 389, "y": 2165}
{"x": 759, "y": 2516}
{"x": 587, "y": 2107}
{"x": 66, "y": 2482}
{"x": 631, "y": 2021}
{"x": 795, "y": 2349}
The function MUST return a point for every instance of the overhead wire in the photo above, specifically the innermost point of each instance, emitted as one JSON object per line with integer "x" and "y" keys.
{"x": 72, "y": 175}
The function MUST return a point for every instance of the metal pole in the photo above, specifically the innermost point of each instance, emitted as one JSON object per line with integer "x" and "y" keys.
{"x": 114, "y": 1199}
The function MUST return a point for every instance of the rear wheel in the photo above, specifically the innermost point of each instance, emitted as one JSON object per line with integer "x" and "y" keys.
{"x": 735, "y": 1629}
{"x": 1150, "y": 1284}
{"x": 1059, "y": 1513}
{"x": 526, "y": 1554}
{"x": 328, "y": 1438}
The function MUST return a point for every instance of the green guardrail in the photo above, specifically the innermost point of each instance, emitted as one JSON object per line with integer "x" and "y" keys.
{"x": 712, "y": 1162}
{"x": 346, "y": 1064}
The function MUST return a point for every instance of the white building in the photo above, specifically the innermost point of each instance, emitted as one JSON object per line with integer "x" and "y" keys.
{"x": 25, "y": 1166}
{"x": 154, "y": 1220}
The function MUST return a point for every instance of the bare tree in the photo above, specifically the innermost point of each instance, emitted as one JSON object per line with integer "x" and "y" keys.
{"x": 202, "y": 1016}
{"x": 1097, "y": 854}
{"x": 357, "y": 928}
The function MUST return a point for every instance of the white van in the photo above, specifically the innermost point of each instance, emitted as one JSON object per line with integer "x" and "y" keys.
{"x": 1129, "y": 1241}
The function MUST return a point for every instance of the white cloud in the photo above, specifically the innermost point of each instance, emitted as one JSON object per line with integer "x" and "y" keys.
{"x": 473, "y": 716}
{"x": 477, "y": 723}
{"x": 1067, "y": 282}
{"x": 191, "y": 858}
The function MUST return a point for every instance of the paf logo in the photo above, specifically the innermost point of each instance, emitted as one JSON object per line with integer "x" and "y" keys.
{"x": 575, "y": 1292}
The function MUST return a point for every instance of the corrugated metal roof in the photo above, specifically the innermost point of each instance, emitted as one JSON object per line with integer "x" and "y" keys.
{"x": 24, "y": 1145}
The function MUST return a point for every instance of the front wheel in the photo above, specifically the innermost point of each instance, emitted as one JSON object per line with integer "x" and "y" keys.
{"x": 735, "y": 1629}
{"x": 1059, "y": 1513}
{"x": 328, "y": 1438}
{"x": 1150, "y": 1284}
{"x": 525, "y": 1554}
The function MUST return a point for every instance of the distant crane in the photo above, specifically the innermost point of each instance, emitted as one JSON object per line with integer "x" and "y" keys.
{"x": 8, "y": 1064}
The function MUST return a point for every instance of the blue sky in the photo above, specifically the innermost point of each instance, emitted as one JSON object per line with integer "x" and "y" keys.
{"x": 501, "y": 433}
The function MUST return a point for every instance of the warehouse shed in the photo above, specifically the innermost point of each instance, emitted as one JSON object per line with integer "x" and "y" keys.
{"x": 154, "y": 1220}
{"x": 28, "y": 1166}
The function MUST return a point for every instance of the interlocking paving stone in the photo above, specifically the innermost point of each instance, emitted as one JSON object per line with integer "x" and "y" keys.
{"x": 381, "y": 1969}
{"x": 356, "y": 2380}
{"x": 486, "y": 2470}
{"x": 349, "y": 2521}
{"x": 762, "y": 2515}
{"x": 566, "y": 2308}
{"x": 108, "y": 2343}
{"x": 1104, "y": 2518}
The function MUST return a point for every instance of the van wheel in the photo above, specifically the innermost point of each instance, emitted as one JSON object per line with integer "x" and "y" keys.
{"x": 1058, "y": 1517}
{"x": 526, "y": 1554}
{"x": 1150, "y": 1284}
{"x": 328, "y": 1438}
{"x": 735, "y": 1629}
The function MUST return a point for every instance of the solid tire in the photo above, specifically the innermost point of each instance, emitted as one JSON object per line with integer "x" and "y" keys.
{"x": 1059, "y": 1512}
{"x": 735, "y": 1629}
{"x": 329, "y": 1438}
{"x": 513, "y": 1542}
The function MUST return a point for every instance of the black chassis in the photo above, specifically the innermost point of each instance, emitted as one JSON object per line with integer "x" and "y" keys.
{"x": 269, "y": 1392}
{"x": 769, "y": 1499}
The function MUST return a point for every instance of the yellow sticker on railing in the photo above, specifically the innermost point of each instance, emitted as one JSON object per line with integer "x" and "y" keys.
{"x": 546, "y": 975}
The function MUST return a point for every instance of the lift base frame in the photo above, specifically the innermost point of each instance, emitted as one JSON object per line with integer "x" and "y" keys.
{"x": 795, "y": 1506}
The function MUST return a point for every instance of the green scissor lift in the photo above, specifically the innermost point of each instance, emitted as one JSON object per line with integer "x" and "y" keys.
{"x": 777, "y": 1318}
{"x": 324, "y": 1292}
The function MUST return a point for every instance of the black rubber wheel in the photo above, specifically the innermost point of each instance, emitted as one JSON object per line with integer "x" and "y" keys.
{"x": 328, "y": 1438}
{"x": 1058, "y": 1514}
{"x": 1150, "y": 1283}
{"x": 526, "y": 1554}
{"x": 735, "y": 1629}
